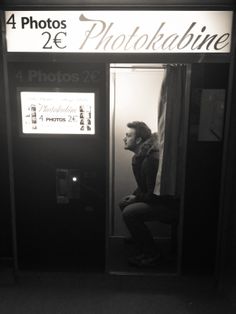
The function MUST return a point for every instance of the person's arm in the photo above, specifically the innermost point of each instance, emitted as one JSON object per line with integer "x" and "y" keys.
{"x": 151, "y": 168}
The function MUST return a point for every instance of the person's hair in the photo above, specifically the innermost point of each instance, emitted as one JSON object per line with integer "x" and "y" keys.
{"x": 141, "y": 129}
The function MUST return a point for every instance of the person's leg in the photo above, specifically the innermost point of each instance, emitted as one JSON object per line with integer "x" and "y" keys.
{"x": 134, "y": 216}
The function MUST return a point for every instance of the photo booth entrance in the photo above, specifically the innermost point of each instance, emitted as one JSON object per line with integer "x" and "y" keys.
{"x": 138, "y": 92}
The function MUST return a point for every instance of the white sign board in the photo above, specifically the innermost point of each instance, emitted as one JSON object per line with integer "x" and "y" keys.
{"x": 119, "y": 31}
{"x": 57, "y": 113}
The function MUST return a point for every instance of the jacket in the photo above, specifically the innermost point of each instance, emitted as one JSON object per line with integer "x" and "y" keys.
{"x": 145, "y": 167}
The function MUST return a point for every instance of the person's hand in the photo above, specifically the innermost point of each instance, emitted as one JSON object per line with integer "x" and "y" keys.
{"x": 128, "y": 199}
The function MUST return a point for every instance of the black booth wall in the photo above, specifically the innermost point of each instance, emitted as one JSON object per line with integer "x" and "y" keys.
{"x": 203, "y": 177}
{"x": 227, "y": 252}
{"x": 48, "y": 233}
{"x": 5, "y": 216}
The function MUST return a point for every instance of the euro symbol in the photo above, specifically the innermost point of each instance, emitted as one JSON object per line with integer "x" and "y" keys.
{"x": 58, "y": 41}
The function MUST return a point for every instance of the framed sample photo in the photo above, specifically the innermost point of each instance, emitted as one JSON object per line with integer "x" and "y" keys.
{"x": 57, "y": 112}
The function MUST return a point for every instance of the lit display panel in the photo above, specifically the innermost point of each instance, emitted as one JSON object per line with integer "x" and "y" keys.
{"x": 58, "y": 112}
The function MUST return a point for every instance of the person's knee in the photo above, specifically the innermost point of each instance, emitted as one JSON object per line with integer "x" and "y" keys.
{"x": 129, "y": 213}
{"x": 126, "y": 215}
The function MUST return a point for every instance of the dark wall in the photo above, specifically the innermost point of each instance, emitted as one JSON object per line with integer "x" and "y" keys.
{"x": 5, "y": 217}
{"x": 227, "y": 260}
{"x": 203, "y": 177}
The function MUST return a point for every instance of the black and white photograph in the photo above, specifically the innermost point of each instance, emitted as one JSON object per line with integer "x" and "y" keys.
{"x": 118, "y": 172}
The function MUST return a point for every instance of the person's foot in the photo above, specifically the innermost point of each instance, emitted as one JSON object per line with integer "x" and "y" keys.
{"x": 144, "y": 260}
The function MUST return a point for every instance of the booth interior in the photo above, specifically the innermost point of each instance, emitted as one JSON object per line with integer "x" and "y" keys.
{"x": 135, "y": 95}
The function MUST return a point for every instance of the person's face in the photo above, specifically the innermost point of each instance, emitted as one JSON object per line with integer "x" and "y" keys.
{"x": 130, "y": 140}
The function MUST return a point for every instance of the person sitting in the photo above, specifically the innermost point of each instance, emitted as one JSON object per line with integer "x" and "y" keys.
{"x": 143, "y": 205}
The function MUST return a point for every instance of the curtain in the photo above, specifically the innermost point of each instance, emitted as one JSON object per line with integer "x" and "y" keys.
{"x": 171, "y": 116}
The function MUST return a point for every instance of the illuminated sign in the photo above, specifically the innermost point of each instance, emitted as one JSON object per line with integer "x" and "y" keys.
{"x": 119, "y": 31}
{"x": 57, "y": 112}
